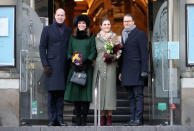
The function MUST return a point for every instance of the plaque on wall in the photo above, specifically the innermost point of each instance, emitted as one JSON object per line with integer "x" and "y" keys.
{"x": 190, "y": 34}
{"x": 7, "y": 36}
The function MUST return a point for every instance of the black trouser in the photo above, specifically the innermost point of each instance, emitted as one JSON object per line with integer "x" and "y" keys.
{"x": 136, "y": 99}
{"x": 81, "y": 112}
{"x": 55, "y": 105}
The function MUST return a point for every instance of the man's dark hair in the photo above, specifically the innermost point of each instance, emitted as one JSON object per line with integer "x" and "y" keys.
{"x": 129, "y": 15}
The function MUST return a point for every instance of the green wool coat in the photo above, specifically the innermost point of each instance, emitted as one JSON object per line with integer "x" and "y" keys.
{"x": 87, "y": 48}
{"x": 108, "y": 79}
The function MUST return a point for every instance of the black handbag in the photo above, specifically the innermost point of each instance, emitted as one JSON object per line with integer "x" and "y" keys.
{"x": 79, "y": 78}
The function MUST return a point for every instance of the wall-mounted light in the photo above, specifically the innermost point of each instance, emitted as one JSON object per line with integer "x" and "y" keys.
{"x": 85, "y": 13}
{"x": 78, "y": 0}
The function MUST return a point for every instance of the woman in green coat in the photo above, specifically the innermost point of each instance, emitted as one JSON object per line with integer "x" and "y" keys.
{"x": 107, "y": 74}
{"x": 81, "y": 41}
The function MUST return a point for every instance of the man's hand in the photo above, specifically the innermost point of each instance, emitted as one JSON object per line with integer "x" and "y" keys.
{"x": 120, "y": 76}
{"x": 47, "y": 70}
{"x": 144, "y": 74}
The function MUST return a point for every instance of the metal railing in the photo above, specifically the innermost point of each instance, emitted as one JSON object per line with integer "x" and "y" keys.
{"x": 97, "y": 101}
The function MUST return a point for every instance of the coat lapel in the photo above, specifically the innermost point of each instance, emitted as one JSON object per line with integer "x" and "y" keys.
{"x": 58, "y": 34}
{"x": 131, "y": 35}
{"x": 122, "y": 41}
{"x": 56, "y": 31}
{"x": 65, "y": 32}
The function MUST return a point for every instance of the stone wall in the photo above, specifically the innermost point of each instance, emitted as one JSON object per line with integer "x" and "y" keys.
{"x": 9, "y": 107}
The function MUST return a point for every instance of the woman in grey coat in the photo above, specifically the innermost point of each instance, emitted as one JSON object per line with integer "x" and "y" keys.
{"x": 107, "y": 74}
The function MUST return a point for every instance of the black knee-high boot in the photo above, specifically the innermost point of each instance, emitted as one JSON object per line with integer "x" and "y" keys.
{"x": 85, "y": 109}
{"x": 77, "y": 106}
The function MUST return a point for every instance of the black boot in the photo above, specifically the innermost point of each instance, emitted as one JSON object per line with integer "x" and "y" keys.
{"x": 84, "y": 121}
{"x": 84, "y": 112}
{"x": 77, "y": 106}
{"x": 78, "y": 121}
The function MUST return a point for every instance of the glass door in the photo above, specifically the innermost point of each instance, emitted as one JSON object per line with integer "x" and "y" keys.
{"x": 33, "y": 94}
{"x": 158, "y": 32}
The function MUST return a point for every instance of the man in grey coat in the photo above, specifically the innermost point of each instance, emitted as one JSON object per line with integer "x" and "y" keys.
{"x": 134, "y": 67}
{"x": 53, "y": 54}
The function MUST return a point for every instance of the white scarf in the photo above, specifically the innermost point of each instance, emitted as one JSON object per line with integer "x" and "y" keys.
{"x": 108, "y": 36}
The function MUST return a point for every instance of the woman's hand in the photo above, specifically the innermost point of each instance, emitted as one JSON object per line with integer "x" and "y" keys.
{"x": 120, "y": 76}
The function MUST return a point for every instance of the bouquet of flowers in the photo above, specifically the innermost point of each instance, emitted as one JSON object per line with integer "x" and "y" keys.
{"x": 112, "y": 50}
{"x": 109, "y": 46}
{"x": 77, "y": 58}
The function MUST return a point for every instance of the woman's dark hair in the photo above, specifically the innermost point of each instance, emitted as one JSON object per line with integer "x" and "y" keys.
{"x": 104, "y": 19}
{"x": 74, "y": 33}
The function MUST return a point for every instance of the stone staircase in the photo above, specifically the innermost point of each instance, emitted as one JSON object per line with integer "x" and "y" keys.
{"x": 121, "y": 115}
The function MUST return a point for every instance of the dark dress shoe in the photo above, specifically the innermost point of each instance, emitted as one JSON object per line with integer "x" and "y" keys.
{"x": 137, "y": 123}
{"x": 84, "y": 121}
{"x": 60, "y": 123}
{"x": 52, "y": 123}
{"x": 129, "y": 123}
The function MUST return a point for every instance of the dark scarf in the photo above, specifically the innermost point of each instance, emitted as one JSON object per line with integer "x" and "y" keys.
{"x": 61, "y": 27}
{"x": 81, "y": 35}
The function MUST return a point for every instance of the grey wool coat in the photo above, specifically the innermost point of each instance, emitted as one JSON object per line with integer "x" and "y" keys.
{"x": 107, "y": 76}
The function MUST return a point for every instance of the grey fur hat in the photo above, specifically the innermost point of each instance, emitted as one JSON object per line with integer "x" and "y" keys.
{"x": 81, "y": 17}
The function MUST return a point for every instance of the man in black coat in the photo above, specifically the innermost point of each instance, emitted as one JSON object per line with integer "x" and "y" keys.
{"x": 53, "y": 54}
{"x": 134, "y": 67}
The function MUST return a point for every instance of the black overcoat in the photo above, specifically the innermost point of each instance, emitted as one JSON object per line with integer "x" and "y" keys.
{"x": 134, "y": 58}
{"x": 53, "y": 52}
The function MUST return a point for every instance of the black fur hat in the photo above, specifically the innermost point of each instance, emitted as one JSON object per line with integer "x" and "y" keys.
{"x": 84, "y": 18}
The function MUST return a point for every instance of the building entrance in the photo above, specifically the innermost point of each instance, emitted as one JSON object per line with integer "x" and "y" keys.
{"x": 151, "y": 17}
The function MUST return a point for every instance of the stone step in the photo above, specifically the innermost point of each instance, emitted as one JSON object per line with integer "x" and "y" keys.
{"x": 115, "y": 118}
{"x": 120, "y": 115}
{"x": 101, "y": 128}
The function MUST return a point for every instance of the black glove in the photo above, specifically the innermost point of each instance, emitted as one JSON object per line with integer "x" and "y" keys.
{"x": 69, "y": 63}
{"x": 77, "y": 68}
{"x": 47, "y": 70}
{"x": 144, "y": 74}
{"x": 86, "y": 64}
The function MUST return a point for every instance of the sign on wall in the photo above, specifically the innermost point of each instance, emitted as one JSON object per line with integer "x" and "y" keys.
{"x": 7, "y": 36}
{"x": 190, "y": 34}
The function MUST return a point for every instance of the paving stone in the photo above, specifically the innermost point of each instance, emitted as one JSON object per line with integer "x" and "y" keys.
{"x": 123, "y": 128}
{"x": 145, "y": 128}
{"x": 105, "y": 128}
{"x": 179, "y": 128}
{"x": 185, "y": 128}
{"x": 28, "y": 128}
{"x": 9, "y": 129}
{"x": 50, "y": 128}
{"x": 164, "y": 128}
